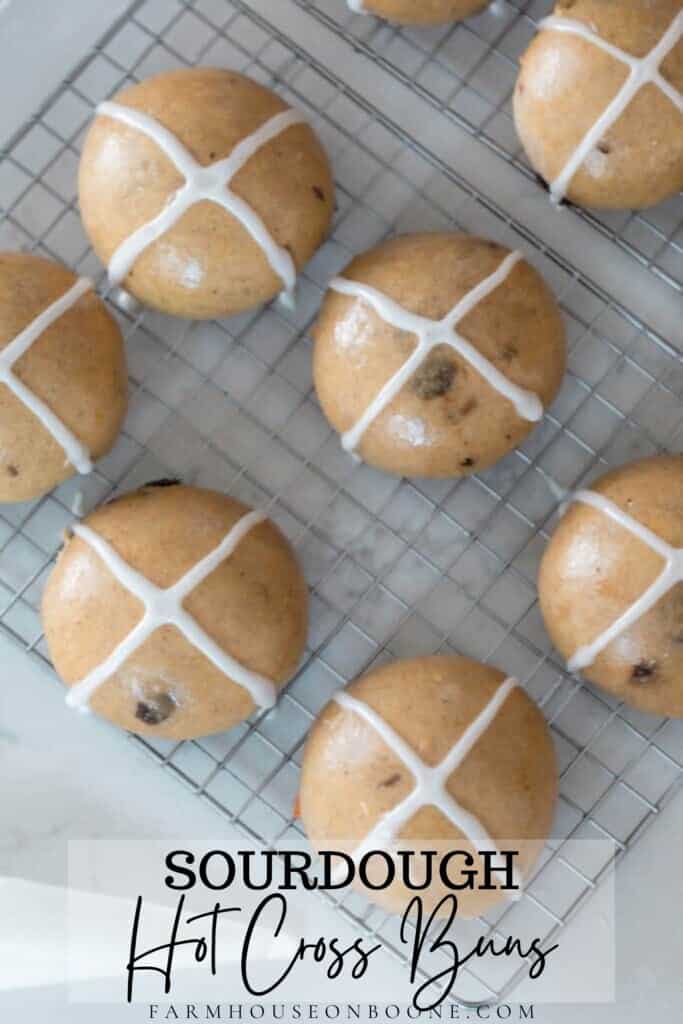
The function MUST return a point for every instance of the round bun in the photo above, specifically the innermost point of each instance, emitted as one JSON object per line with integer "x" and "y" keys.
{"x": 253, "y": 605}
{"x": 352, "y": 778}
{"x": 75, "y": 368}
{"x": 447, "y": 419}
{"x": 595, "y": 569}
{"x": 423, "y": 12}
{"x": 568, "y": 82}
{"x": 207, "y": 265}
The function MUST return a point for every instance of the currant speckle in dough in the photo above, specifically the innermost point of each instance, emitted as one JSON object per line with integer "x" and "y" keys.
{"x": 419, "y": 12}
{"x": 436, "y": 354}
{"x": 175, "y": 612}
{"x": 203, "y": 192}
{"x": 63, "y": 378}
{"x": 436, "y": 752}
{"x": 611, "y": 584}
{"x": 599, "y": 102}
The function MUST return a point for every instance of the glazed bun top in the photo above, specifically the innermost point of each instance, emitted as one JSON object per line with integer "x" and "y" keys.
{"x": 175, "y": 611}
{"x": 204, "y": 192}
{"x": 599, "y": 102}
{"x": 434, "y": 750}
{"x": 64, "y": 380}
{"x": 435, "y": 354}
{"x": 611, "y": 584}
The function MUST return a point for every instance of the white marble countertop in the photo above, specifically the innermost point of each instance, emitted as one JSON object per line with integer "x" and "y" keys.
{"x": 64, "y": 777}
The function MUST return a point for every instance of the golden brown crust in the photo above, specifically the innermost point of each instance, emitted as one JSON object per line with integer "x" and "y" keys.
{"x": 254, "y": 605}
{"x": 424, "y": 12}
{"x": 593, "y": 570}
{"x": 207, "y": 265}
{"x": 350, "y": 779}
{"x": 447, "y": 421}
{"x": 566, "y": 83}
{"x": 77, "y": 367}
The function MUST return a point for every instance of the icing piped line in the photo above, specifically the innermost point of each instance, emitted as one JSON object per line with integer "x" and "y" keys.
{"x": 165, "y": 608}
{"x": 76, "y": 452}
{"x": 202, "y": 183}
{"x": 430, "y": 782}
{"x": 671, "y": 574}
{"x": 642, "y": 71}
{"x": 431, "y": 333}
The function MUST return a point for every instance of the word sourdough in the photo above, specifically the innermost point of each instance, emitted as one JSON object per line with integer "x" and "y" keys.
{"x": 642, "y": 71}
{"x": 671, "y": 574}
{"x": 202, "y": 184}
{"x": 431, "y": 333}
{"x": 430, "y": 783}
{"x": 76, "y": 453}
{"x": 165, "y": 607}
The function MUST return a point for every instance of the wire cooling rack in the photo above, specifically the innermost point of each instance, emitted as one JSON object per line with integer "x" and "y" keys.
{"x": 396, "y": 567}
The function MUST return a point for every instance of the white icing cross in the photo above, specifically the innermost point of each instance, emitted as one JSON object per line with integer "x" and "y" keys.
{"x": 165, "y": 607}
{"x": 671, "y": 574}
{"x": 642, "y": 71}
{"x": 202, "y": 184}
{"x": 76, "y": 453}
{"x": 431, "y": 333}
{"x": 430, "y": 783}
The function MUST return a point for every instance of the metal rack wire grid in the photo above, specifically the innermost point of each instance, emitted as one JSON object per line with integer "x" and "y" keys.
{"x": 396, "y": 567}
